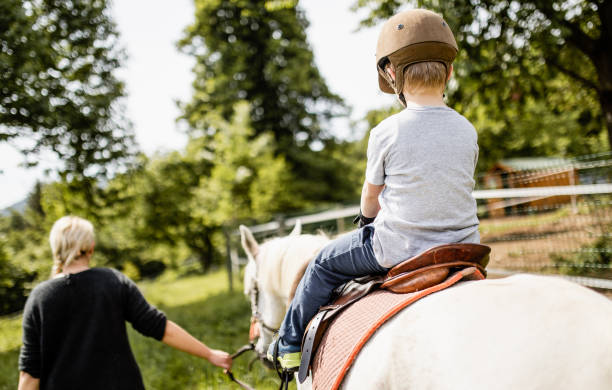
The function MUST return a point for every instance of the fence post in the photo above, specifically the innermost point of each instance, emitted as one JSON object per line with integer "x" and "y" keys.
{"x": 572, "y": 182}
{"x": 340, "y": 225}
{"x": 281, "y": 226}
{"x": 228, "y": 248}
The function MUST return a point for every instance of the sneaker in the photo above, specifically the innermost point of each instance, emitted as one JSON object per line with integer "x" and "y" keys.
{"x": 288, "y": 356}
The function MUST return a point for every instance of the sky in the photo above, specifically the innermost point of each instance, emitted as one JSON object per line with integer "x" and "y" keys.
{"x": 157, "y": 75}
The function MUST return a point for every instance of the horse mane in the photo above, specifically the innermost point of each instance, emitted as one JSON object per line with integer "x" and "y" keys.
{"x": 291, "y": 255}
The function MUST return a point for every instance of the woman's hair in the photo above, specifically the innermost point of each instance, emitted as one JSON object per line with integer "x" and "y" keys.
{"x": 70, "y": 238}
{"x": 425, "y": 76}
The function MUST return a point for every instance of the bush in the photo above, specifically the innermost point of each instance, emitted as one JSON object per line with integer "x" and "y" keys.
{"x": 14, "y": 284}
{"x": 151, "y": 269}
{"x": 593, "y": 259}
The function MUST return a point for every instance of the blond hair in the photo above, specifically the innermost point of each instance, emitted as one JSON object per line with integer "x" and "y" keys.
{"x": 70, "y": 238}
{"x": 425, "y": 76}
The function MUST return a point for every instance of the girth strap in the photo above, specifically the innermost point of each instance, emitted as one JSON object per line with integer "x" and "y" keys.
{"x": 343, "y": 297}
{"x": 309, "y": 344}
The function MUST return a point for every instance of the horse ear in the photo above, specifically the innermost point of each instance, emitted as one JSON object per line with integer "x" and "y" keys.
{"x": 249, "y": 244}
{"x": 297, "y": 230}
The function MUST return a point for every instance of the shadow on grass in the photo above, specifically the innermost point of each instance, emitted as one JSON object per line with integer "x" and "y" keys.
{"x": 221, "y": 321}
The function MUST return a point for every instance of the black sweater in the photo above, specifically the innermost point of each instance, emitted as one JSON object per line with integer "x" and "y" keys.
{"x": 74, "y": 334}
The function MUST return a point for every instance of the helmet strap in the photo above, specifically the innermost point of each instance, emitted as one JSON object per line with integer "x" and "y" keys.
{"x": 392, "y": 83}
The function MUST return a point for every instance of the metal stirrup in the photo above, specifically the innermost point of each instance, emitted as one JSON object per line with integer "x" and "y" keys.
{"x": 285, "y": 375}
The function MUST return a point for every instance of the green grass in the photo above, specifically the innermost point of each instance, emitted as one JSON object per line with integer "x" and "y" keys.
{"x": 204, "y": 307}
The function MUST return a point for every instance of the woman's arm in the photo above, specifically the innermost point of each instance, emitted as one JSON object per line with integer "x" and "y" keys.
{"x": 178, "y": 338}
{"x": 369, "y": 199}
{"x": 28, "y": 382}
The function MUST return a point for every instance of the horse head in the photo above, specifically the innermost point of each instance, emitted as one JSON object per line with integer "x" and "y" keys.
{"x": 272, "y": 273}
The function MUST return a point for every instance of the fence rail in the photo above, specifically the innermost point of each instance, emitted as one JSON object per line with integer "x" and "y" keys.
{"x": 563, "y": 229}
{"x": 535, "y": 193}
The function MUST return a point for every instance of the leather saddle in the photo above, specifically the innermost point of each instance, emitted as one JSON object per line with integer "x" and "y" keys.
{"x": 420, "y": 272}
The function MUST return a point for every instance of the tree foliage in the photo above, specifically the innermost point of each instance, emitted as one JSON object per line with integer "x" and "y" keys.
{"x": 58, "y": 91}
{"x": 531, "y": 68}
{"x": 257, "y": 51}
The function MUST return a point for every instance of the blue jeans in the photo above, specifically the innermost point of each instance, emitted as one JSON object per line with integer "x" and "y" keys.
{"x": 348, "y": 257}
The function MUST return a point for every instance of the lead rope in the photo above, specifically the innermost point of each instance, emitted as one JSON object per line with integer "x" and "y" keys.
{"x": 230, "y": 375}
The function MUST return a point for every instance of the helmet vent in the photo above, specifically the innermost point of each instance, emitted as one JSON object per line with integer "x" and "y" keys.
{"x": 400, "y": 26}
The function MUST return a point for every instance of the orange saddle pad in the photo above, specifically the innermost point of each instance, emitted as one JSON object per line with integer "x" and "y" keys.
{"x": 352, "y": 328}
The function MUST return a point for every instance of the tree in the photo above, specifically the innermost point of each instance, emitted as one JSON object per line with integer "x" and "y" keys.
{"x": 510, "y": 50}
{"x": 257, "y": 51}
{"x": 58, "y": 91}
{"x": 247, "y": 180}
{"x": 217, "y": 182}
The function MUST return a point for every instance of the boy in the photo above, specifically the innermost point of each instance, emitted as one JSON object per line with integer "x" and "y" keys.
{"x": 419, "y": 176}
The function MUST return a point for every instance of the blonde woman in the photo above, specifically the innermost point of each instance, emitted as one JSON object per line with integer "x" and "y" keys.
{"x": 74, "y": 334}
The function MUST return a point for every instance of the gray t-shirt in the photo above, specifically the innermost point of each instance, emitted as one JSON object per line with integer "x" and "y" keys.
{"x": 425, "y": 156}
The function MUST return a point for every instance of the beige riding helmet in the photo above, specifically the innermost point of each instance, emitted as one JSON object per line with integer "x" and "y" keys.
{"x": 409, "y": 37}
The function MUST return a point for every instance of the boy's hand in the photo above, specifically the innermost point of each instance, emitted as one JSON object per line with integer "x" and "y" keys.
{"x": 362, "y": 220}
{"x": 220, "y": 359}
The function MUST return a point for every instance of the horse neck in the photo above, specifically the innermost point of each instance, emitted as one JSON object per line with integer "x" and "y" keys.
{"x": 286, "y": 261}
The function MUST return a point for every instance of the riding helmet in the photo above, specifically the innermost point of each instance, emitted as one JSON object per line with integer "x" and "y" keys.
{"x": 409, "y": 37}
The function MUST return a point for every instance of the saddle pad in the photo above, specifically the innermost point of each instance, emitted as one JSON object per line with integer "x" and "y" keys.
{"x": 352, "y": 328}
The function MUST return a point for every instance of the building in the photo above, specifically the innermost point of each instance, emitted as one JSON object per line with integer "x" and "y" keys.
{"x": 529, "y": 172}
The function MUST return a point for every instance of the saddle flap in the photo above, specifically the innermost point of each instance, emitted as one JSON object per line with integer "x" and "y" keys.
{"x": 354, "y": 289}
{"x": 476, "y": 254}
{"x": 425, "y": 277}
{"x": 416, "y": 280}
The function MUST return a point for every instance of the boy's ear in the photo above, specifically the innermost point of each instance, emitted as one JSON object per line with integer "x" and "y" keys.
{"x": 450, "y": 72}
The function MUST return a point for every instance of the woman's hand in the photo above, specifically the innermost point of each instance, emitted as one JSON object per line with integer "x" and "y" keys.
{"x": 220, "y": 359}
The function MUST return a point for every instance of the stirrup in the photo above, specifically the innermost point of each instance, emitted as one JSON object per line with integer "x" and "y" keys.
{"x": 285, "y": 374}
{"x": 289, "y": 361}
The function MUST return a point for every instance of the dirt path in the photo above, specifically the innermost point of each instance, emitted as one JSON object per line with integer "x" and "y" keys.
{"x": 530, "y": 242}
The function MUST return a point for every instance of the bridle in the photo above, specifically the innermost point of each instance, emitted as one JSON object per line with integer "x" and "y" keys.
{"x": 256, "y": 321}
{"x": 256, "y": 318}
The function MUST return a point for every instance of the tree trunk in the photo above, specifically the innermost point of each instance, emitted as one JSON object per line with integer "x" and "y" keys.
{"x": 605, "y": 97}
{"x": 604, "y": 66}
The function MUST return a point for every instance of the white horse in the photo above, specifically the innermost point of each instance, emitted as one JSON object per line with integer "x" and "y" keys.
{"x": 520, "y": 332}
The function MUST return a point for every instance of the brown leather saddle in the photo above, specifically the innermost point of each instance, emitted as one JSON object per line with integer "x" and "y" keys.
{"x": 415, "y": 274}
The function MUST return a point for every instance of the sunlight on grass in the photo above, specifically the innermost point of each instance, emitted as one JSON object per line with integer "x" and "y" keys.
{"x": 169, "y": 292}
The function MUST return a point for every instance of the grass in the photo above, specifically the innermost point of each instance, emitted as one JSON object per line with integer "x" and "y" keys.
{"x": 200, "y": 304}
